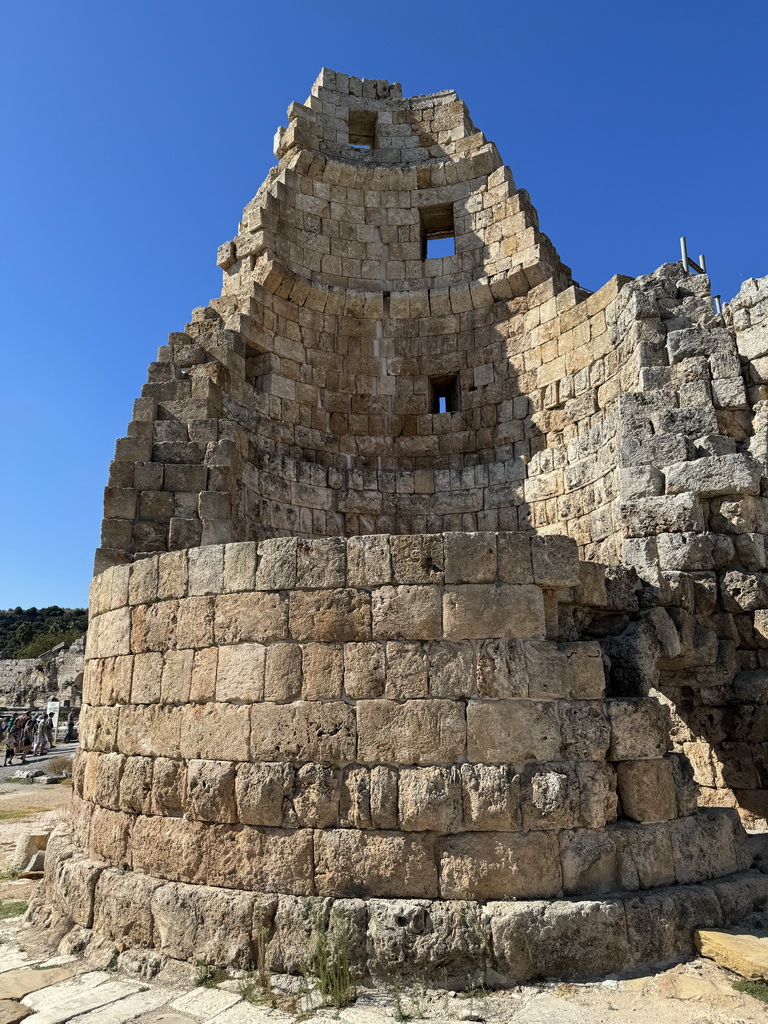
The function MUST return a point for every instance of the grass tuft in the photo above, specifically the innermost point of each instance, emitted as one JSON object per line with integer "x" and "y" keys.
{"x": 12, "y": 908}
{"x": 207, "y": 975}
{"x": 757, "y": 989}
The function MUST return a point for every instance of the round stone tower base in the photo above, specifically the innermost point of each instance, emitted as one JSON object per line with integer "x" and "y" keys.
{"x": 451, "y": 943}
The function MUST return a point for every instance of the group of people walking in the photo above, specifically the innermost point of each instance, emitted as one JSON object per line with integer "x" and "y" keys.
{"x": 28, "y": 734}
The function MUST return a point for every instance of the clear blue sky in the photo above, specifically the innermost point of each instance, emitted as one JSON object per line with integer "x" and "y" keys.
{"x": 134, "y": 133}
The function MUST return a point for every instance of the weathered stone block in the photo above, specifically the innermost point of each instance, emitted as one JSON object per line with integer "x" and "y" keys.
{"x": 240, "y": 673}
{"x": 451, "y": 669}
{"x": 498, "y": 865}
{"x": 364, "y": 670}
{"x": 322, "y": 668}
{"x": 414, "y": 732}
{"x": 501, "y": 669}
{"x": 714, "y": 476}
{"x": 176, "y": 679}
{"x": 406, "y": 670}
{"x": 430, "y": 800}
{"x": 150, "y": 730}
{"x": 260, "y": 792}
{"x": 258, "y": 617}
{"x": 321, "y": 563}
{"x": 589, "y": 862}
{"x": 514, "y": 558}
{"x": 678, "y": 513}
{"x": 485, "y": 611}
{"x": 639, "y": 728}
{"x": 168, "y": 781}
{"x": 215, "y": 730}
{"x": 99, "y": 729}
{"x": 210, "y": 791}
{"x": 115, "y": 683}
{"x": 647, "y": 789}
{"x": 107, "y": 788}
{"x": 202, "y": 685}
{"x": 490, "y": 797}
{"x": 194, "y": 622}
{"x": 239, "y": 567}
{"x": 406, "y": 612}
{"x": 417, "y": 558}
{"x": 136, "y": 785}
{"x": 282, "y": 672}
{"x": 555, "y": 561}
{"x": 585, "y": 729}
{"x": 470, "y": 558}
{"x": 386, "y": 864}
{"x": 330, "y": 615}
{"x": 511, "y": 732}
{"x": 146, "y": 681}
{"x": 315, "y": 796}
{"x": 277, "y": 564}
{"x": 121, "y": 908}
{"x": 321, "y": 732}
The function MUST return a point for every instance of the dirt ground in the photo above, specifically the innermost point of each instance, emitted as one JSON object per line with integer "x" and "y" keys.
{"x": 28, "y": 807}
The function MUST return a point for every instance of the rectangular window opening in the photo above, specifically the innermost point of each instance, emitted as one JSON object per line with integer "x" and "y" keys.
{"x": 362, "y": 129}
{"x": 444, "y": 394}
{"x": 438, "y": 234}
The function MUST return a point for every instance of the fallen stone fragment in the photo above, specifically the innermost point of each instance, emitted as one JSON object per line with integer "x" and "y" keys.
{"x": 746, "y": 955}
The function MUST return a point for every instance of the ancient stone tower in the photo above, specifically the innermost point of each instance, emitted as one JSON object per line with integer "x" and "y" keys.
{"x": 424, "y": 581}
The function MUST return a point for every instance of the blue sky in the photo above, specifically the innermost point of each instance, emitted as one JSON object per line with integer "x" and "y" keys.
{"x": 134, "y": 133}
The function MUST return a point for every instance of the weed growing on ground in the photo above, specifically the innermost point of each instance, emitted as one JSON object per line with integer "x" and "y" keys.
{"x": 21, "y": 782}
{"x": 12, "y": 908}
{"x": 112, "y": 965}
{"x": 8, "y": 876}
{"x": 207, "y": 975}
{"x": 18, "y": 813}
{"x": 60, "y": 765}
{"x": 331, "y": 962}
{"x": 757, "y": 989}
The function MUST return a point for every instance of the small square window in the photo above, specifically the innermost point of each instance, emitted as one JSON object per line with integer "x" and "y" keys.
{"x": 444, "y": 394}
{"x": 437, "y": 231}
{"x": 362, "y": 129}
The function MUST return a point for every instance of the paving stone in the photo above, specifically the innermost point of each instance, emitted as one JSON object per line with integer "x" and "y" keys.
{"x": 246, "y": 1013}
{"x": 205, "y": 1002}
{"x": 60, "y": 1003}
{"x": 12, "y": 1012}
{"x": 125, "y": 1010}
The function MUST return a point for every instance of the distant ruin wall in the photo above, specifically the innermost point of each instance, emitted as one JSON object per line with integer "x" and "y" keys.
{"x": 32, "y": 682}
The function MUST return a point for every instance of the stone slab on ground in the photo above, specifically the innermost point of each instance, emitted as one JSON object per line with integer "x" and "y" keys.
{"x": 12, "y": 1012}
{"x": 71, "y": 999}
{"x": 14, "y": 959}
{"x": 170, "y": 1018}
{"x": 247, "y": 1013}
{"x": 205, "y": 1003}
{"x": 125, "y": 1010}
{"x": 19, "y": 983}
{"x": 746, "y": 955}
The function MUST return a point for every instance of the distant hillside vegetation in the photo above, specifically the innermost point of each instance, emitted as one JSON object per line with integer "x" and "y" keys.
{"x": 29, "y": 632}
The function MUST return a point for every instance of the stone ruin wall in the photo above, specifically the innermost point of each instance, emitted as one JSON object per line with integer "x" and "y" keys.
{"x": 289, "y": 570}
{"x": 32, "y": 682}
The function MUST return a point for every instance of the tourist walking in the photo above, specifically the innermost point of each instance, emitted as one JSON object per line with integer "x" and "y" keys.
{"x": 70, "y": 736}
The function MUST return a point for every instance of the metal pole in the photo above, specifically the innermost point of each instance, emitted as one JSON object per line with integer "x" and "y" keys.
{"x": 718, "y": 304}
{"x": 684, "y": 253}
{"x": 703, "y": 263}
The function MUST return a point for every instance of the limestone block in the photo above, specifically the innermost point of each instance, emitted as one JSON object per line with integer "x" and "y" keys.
{"x": 414, "y": 732}
{"x": 430, "y": 799}
{"x": 511, "y": 732}
{"x": 407, "y": 612}
{"x": 330, "y": 615}
{"x": 154, "y": 627}
{"x": 639, "y": 728}
{"x": 321, "y": 732}
{"x": 172, "y": 579}
{"x": 470, "y": 557}
{"x": 260, "y": 792}
{"x": 240, "y": 673}
{"x": 170, "y": 847}
{"x": 210, "y": 791}
{"x": 744, "y": 592}
{"x": 550, "y": 796}
{"x": 451, "y": 669}
{"x": 490, "y": 797}
{"x": 146, "y": 680}
{"x": 121, "y": 907}
{"x": 417, "y": 558}
{"x": 555, "y": 561}
{"x": 484, "y": 611}
{"x": 322, "y": 667}
{"x": 109, "y": 835}
{"x": 647, "y": 790}
{"x": 598, "y": 802}
{"x": 686, "y": 788}
{"x": 498, "y": 865}
{"x": 109, "y": 634}
{"x": 168, "y": 782}
{"x": 501, "y": 669}
{"x": 194, "y": 623}
{"x": 206, "y": 570}
{"x": 150, "y": 730}
{"x": 136, "y": 785}
{"x": 315, "y": 797}
{"x": 589, "y": 862}
{"x": 116, "y": 676}
{"x": 259, "y": 859}
{"x": 321, "y": 563}
{"x": 107, "y": 788}
{"x": 585, "y": 729}
{"x": 177, "y": 676}
{"x": 674, "y": 513}
{"x": 708, "y": 844}
{"x": 215, "y": 730}
{"x": 143, "y": 580}
{"x": 514, "y": 558}
{"x": 406, "y": 670}
{"x": 645, "y": 855}
{"x": 639, "y": 482}
{"x": 72, "y": 884}
{"x": 369, "y": 563}
{"x": 202, "y": 685}
{"x": 239, "y": 567}
{"x": 547, "y": 669}
{"x": 282, "y": 672}
{"x": 364, "y": 670}
{"x": 349, "y": 862}
{"x": 99, "y": 728}
{"x": 685, "y": 552}
{"x": 243, "y": 618}
{"x": 369, "y": 798}
{"x": 277, "y": 564}
{"x": 714, "y": 475}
